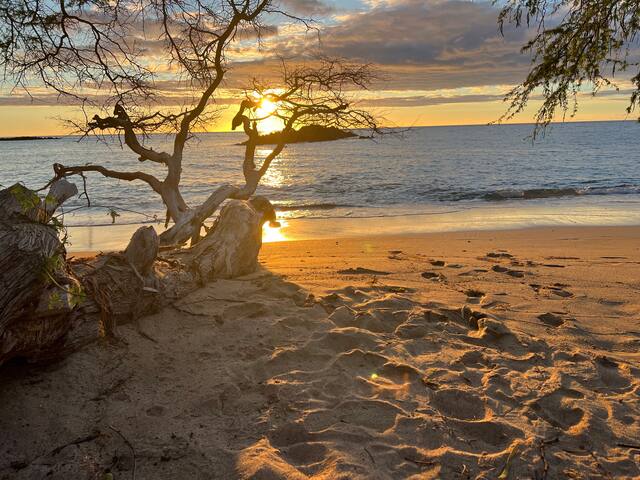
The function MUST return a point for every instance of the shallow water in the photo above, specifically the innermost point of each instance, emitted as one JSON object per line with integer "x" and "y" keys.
{"x": 453, "y": 177}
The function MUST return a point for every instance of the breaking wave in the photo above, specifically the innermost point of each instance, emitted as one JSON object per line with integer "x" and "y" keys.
{"x": 536, "y": 193}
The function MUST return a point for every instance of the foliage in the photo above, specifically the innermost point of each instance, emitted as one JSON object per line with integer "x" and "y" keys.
{"x": 305, "y": 95}
{"x": 27, "y": 199}
{"x": 51, "y": 268}
{"x": 60, "y": 227}
{"x": 575, "y": 45}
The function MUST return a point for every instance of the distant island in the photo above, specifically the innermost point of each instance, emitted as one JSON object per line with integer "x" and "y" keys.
{"x": 309, "y": 133}
{"x": 21, "y": 139}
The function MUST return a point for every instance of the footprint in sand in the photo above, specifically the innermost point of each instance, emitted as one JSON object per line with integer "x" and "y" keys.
{"x": 475, "y": 271}
{"x": 438, "y": 277}
{"x": 611, "y": 303}
{"x": 361, "y": 271}
{"x": 460, "y": 404}
{"x": 495, "y": 435}
{"x": 515, "y": 273}
{"x": 551, "y": 319}
{"x": 290, "y": 434}
{"x": 508, "y": 271}
{"x": 306, "y": 453}
{"x": 499, "y": 255}
{"x": 557, "y": 408}
{"x": 558, "y": 290}
{"x": 155, "y": 411}
{"x": 611, "y": 376}
{"x": 474, "y": 296}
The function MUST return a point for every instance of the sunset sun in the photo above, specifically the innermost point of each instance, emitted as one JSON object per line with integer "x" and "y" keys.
{"x": 268, "y": 121}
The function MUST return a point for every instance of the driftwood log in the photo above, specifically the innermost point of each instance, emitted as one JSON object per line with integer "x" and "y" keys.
{"x": 230, "y": 249}
{"x": 50, "y": 306}
{"x": 35, "y": 282}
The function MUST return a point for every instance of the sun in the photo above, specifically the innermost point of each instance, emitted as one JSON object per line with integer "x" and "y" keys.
{"x": 267, "y": 106}
{"x": 269, "y": 123}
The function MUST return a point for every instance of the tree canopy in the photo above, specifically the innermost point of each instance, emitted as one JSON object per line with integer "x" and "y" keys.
{"x": 576, "y": 45}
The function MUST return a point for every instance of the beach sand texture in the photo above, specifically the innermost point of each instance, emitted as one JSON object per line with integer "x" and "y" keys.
{"x": 507, "y": 355}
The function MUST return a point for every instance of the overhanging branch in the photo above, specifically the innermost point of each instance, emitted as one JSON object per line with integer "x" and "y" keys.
{"x": 62, "y": 171}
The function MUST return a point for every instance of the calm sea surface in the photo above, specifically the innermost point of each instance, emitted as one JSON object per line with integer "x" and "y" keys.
{"x": 579, "y": 173}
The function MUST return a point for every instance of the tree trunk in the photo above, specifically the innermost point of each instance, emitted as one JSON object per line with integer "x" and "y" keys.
{"x": 188, "y": 225}
{"x": 35, "y": 284}
{"x": 50, "y": 307}
{"x": 230, "y": 249}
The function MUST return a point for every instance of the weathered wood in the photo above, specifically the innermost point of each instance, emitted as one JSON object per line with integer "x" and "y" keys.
{"x": 49, "y": 307}
{"x": 61, "y": 191}
{"x": 189, "y": 224}
{"x": 34, "y": 280}
{"x": 142, "y": 250}
{"x": 18, "y": 201}
{"x": 231, "y": 247}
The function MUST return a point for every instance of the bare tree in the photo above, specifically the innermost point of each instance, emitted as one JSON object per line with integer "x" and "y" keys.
{"x": 99, "y": 47}
{"x": 576, "y": 45}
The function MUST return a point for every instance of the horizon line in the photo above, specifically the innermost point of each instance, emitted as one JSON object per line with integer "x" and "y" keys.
{"x": 407, "y": 127}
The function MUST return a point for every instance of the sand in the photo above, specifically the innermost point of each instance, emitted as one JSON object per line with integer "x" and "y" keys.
{"x": 506, "y": 354}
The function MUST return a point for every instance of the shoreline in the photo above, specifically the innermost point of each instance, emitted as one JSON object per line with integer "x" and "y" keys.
{"x": 625, "y": 231}
{"x": 504, "y": 217}
{"x": 67, "y": 134}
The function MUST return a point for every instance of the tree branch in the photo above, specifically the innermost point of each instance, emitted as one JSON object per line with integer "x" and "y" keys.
{"x": 121, "y": 122}
{"x": 61, "y": 171}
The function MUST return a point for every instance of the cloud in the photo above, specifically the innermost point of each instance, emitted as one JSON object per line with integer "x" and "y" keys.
{"x": 307, "y": 7}
{"x": 426, "y": 100}
{"x": 415, "y": 45}
{"x": 427, "y": 43}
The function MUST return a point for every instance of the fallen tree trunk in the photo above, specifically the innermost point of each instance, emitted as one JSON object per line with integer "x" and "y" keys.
{"x": 36, "y": 286}
{"x": 50, "y": 307}
{"x": 230, "y": 249}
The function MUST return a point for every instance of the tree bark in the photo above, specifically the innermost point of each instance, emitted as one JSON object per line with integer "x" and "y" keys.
{"x": 230, "y": 249}
{"x": 189, "y": 224}
{"x": 35, "y": 283}
{"x": 50, "y": 307}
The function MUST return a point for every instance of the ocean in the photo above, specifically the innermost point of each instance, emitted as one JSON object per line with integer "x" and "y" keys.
{"x": 421, "y": 179}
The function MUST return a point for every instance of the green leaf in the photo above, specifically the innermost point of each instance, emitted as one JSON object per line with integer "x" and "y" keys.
{"x": 505, "y": 471}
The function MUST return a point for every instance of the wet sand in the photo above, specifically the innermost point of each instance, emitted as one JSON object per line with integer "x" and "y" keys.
{"x": 504, "y": 354}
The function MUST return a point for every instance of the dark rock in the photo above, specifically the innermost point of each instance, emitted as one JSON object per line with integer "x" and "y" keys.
{"x": 309, "y": 133}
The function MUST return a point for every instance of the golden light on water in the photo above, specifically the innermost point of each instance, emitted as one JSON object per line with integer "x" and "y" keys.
{"x": 275, "y": 176}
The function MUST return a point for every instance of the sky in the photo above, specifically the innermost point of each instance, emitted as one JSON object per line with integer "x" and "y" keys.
{"x": 441, "y": 62}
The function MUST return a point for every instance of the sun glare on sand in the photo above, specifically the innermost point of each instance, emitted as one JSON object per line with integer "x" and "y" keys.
{"x": 274, "y": 234}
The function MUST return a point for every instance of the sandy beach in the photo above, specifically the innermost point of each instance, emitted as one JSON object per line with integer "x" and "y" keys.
{"x": 487, "y": 354}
